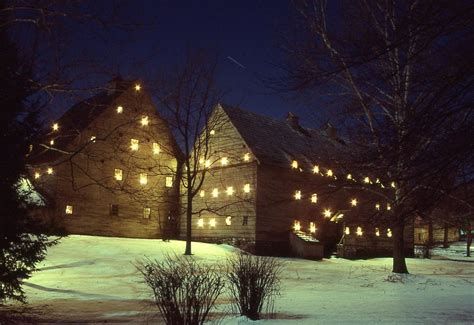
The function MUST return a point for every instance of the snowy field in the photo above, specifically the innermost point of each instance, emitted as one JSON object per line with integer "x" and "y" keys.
{"x": 92, "y": 280}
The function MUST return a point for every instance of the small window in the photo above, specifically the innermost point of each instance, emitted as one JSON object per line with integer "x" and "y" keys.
{"x": 68, "y": 209}
{"x": 224, "y": 161}
{"x": 118, "y": 174}
{"x": 200, "y": 223}
{"x": 143, "y": 178}
{"x": 202, "y": 193}
{"x": 114, "y": 210}
{"x": 93, "y": 138}
{"x": 212, "y": 223}
{"x": 228, "y": 220}
{"x": 215, "y": 192}
{"x": 230, "y": 191}
{"x": 146, "y": 213}
{"x": 156, "y": 148}
{"x": 134, "y": 144}
{"x": 144, "y": 121}
{"x": 119, "y": 109}
{"x": 245, "y": 220}
{"x": 169, "y": 181}
{"x": 247, "y": 188}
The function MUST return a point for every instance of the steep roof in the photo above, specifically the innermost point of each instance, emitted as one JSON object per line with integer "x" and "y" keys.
{"x": 279, "y": 142}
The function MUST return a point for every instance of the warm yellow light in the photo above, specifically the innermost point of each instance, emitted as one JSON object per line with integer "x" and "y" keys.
{"x": 201, "y": 161}
{"x": 354, "y": 202}
{"x": 51, "y": 143}
{"x": 224, "y": 161}
{"x": 392, "y": 184}
{"x": 49, "y": 171}
{"x": 156, "y": 148}
{"x": 55, "y": 126}
{"x": 212, "y": 222}
{"x": 202, "y": 193}
{"x": 297, "y": 195}
{"x": 327, "y": 213}
{"x": 134, "y": 144}
{"x": 138, "y": 87}
{"x": 143, "y": 178}
{"x": 247, "y": 188}
{"x": 377, "y": 206}
{"x": 329, "y": 173}
{"x": 144, "y": 121}
{"x": 68, "y": 209}
{"x": 169, "y": 181}
{"x": 312, "y": 227}
{"x": 389, "y": 233}
{"x": 316, "y": 169}
{"x": 347, "y": 231}
{"x": 377, "y": 180}
{"x": 294, "y": 164}
{"x": 314, "y": 198}
{"x": 118, "y": 174}
{"x": 359, "y": 231}
{"x": 207, "y": 163}
{"x": 200, "y": 222}
{"x": 215, "y": 192}
{"x": 228, "y": 220}
{"x": 297, "y": 226}
{"x": 37, "y": 175}
{"x": 230, "y": 190}
{"x": 212, "y": 132}
{"x": 349, "y": 176}
{"x": 377, "y": 232}
{"x": 247, "y": 156}
{"x": 389, "y": 207}
{"x": 367, "y": 180}
{"x": 119, "y": 109}
{"x": 93, "y": 138}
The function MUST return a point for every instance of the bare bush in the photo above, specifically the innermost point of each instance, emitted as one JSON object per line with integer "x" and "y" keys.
{"x": 254, "y": 282}
{"x": 184, "y": 290}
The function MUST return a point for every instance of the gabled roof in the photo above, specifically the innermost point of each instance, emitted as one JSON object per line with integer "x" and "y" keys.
{"x": 279, "y": 142}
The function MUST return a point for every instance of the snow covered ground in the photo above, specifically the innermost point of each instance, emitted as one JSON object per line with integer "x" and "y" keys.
{"x": 93, "y": 280}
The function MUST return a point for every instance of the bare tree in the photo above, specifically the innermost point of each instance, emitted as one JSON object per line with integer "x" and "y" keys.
{"x": 401, "y": 76}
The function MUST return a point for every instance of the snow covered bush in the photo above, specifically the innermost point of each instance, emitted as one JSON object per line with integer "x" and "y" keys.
{"x": 184, "y": 290}
{"x": 254, "y": 282}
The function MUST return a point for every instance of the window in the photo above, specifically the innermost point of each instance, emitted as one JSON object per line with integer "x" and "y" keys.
{"x": 212, "y": 222}
{"x": 215, "y": 192}
{"x": 119, "y": 109}
{"x": 93, "y": 138}
{"x": 51, "y": 143}
{"x": 144, "y": 121}
{"x": 169, "y": 181}
{"x": 316, "y": 169}
{"x": 114, "y": 210}
{"x": 68, "y": 209}
{"x": 55, "y": 126}
{"x": 230, "y": 191}
{"x": 202, "y": 193}
{"x": 247, "y": 188}
{"x": 143, "y": 178}
{"x": 156, "y": 148}
{"x": 297, "y": 225}
{"x": 146, "y": 213}
{"x": 359, "y": 231}
{"x": 245, "y": 220}
{"x": 224, "y": 161}
{"x": 200, "y": 222}
{"x": 312, "y": 227}
{"x": 377, "y": 232}
{"x": 212, "y": 132}
{"x": 49, "y": 171}
{"x": 247, "y": 156}
{"x": 118, "y": 174}
{"x": 389, "y": 232}
{"x": 134, "y": 144}
{"x": 298, "y": 195}
{"x": 228, "y": 221}
{"x": 294, "y": 164}
{"x": 347, "y": 231}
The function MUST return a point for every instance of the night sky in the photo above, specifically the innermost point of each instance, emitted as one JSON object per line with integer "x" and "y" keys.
{"x": 249, "y": 32}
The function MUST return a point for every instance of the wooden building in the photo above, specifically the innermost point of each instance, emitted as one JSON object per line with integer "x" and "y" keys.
{"x": 108, "y": 167}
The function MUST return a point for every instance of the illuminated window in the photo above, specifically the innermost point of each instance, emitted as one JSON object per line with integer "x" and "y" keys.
{"x": 51, "y": 143}
{"x": 327, "y": 213}
{"x": 68, "y": 209}
{"x": 314, "y": 198}
{"x": 294, "y": 164}
{"x": 207, "y": 163}
{"x": 247, "y": 156}
{"x": 316, "y": 169}
{"x": 297, "y": 195}
{"x": 49, "y": 171}
{"x": 212, "y": 222}
{"x": 367, "y": 180}
{"x": 144, "y": 121}
{"x": 200, "y": 222}
{"x": 377, "y": 232}
{"x": 312, "y": 227}
{"x": 143, "y": 178}
{"x": 349, "y": 176}
{"x": 202, "y": 193}
{"x": 329, "y": 173}
{"x": 201, "y": 161}
{"x": 245, "y": 220}
{"x": 169, "y": 181}
{"x": 247, "y": 188}
{"x": 114, "y": 210}
{"x": 347, "y": 231}
{"x": 37, "y": 175}
{"x": 118, "y": 174}
{"x": 392, "y": 184}
{"x": 156, "y": 148}
{"x": 134, "y": 144}
{"x": 119, "y": 109}
{"x": 215, "y": 192}
{"x": 224, "y": 161}
{"x": 93, "y": 138}
{"x": 389, "y": 233}
{"x": 230, "y": 190}
{"x": 146, "y": 213}
{"x": 359, "y": 231}
{"x": 296, "y": 226}
{"x": 55, "y": 126}
{"x": 228, "y": 221}
{"x": 389, "y": 207}
{"x": 212, "y": 132}
{"x": 138, "y": 87}
{"x": 377, "y": 206}
{"x": 354, "y": 202}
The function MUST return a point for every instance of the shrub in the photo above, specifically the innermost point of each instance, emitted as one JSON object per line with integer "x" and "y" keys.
{"x": 254, "y": 282}
{"x": 184, "y": 290}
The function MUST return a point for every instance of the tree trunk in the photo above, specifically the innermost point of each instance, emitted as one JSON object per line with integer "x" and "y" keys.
{"x": 469, "y": 239}
{"x": 430, "y": 234}
{"x": 445, "y": 237}
{"x": 189, "y": 216}
{"x": 399, "y": 263}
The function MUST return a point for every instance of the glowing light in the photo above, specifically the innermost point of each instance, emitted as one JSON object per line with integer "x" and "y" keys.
{"x": 146, "y": 213}
{"x": 392, "y": 184}
{"x": 201, "y": 161}
{"x": 224, "y": 161}
{"x": 349, "y": 176}
{"x": 212, "y": 222}
{"x": 202, "y": 193}
{"x": 247, "y": 156}
{"x": 297, "y": 195}
{"x": 327, "y": 213}
{"x": 207, "y": 163}
{"x": 156, "y": 148}
{"x": 377, "y": 206}
{"x": 55, "y": 126}
{"x": 316, "y": 169}
{"x": 93, "y": 138}
{"x": 118, "y": 174}
{"x": 51, "y": 143}
{"x": 169, "y": 181}
{"x": 230, "y": 190}
{"x": 389, "y": 207}
{"x": 119, "y": 109}
{"x": 228, "y": 220}
{"x": 143, "y": 178}
{"x": 314, "y": 198}
{"x": 37, "y": 175}
{"x": 354, "y": 202}
{"x": 144, "y": 121}
{"x": 49, "y": 171}
{"x": 294, "y": 164}
{"x": 367, "y": 180}
{"x": 377, "y": 232}
{"x": 377, "y": 180}
{"x": 212, "y": 132}
{"x": 347, "y": 231}
{"x": 296, "y": 226}
{"x": 138, "y": 87}
{"x": 68, "y": 209}
{"x": 215, "y": 192}
{"x": 312, "y": 227}
{"x": 200, "y": 222}
{"x": 359, "y": 231}
{"x": 134, "y": 144}
{"x": 247, "y": 188}
{"x": 329, "y": 173}
{"x": 389, "y": 233}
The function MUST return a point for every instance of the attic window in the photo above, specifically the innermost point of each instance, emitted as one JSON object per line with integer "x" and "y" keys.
{"x": 134, "y": 144}
{"x": 143, "y": 178}
{"x": 119, "y": 109}
{"x": 294, "y": 164}
{"x": 169, "y": 181}
{"x": 69, "y": 209}
{"x": 118, "y": 174}
{"x": 55, "y": 127}
{"x": 144, "y": 121}
{"x": 156, "y": 148}
{"x": 146, "y": 213}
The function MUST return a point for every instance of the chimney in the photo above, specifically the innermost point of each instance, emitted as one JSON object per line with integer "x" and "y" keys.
{"x": 331, "y": 131}
{"x": 293, "y": 120}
